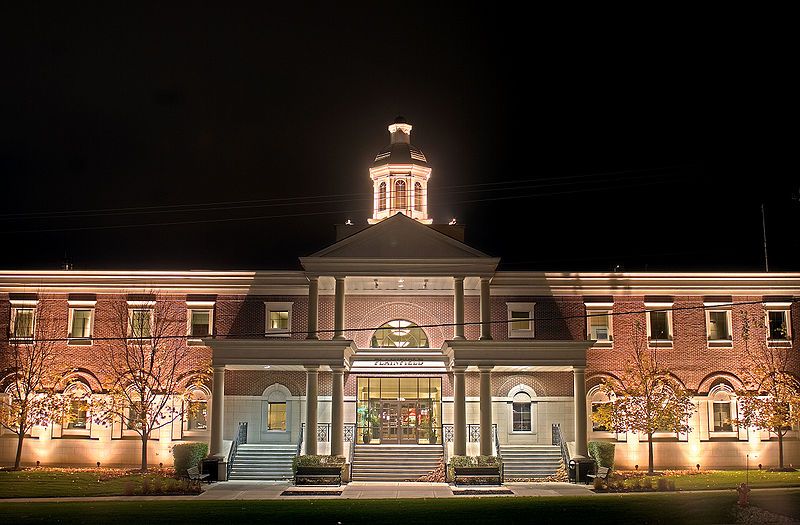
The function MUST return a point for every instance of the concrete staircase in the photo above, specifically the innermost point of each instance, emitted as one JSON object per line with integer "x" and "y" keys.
{"x": 261, "y": 461}
{"x": 530, "y": 461}
{"x": 394, "y": 462}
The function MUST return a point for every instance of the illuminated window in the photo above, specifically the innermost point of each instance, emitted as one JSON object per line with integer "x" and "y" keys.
{"x": 80, "y": 325}
{"x": 778, "y": 324}
{"x": 723, "y": 409}
{"x": 418, "y": 196}
{"x": 598, "y": 325}
{"x": 718, "y": 325}
{"x": 140, "y": 322}
{"x": 276, "y": 416}
{"x": 279, "y": 318}
{"x": 598, "y": 398}
{"x": 521, "y": 412}
{"x": 197, "y": 407}
{"x": 520, "y": 317}
{"x": 659, "y": 324}
{"x": 134, "y": 415}
{"x": 382, "y": 196}
{"x": 400, "y": 200}
{"x": 77, "y": 418}
{"x": 22, "y": 321}
{"x": 399, "y": 334}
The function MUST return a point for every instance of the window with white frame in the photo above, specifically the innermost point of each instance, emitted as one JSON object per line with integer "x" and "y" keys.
{"x": 718, "y": 325}
{"x": 81, "y": 319}
{"x": 659, "y": 322}
{"x": 276, "y": 416}
{"x": 521, "y": 412}
{"x": 23, "y": 318}
{"x": 598, "y": 323}
{"x": 279, "y": 318}
{"x": 722, "y": 409}
{"x": 520, "y": 319}
{"x": 200, "y": 320}
{"x": 140, "y": 320}
{"x": 778, "y": 324}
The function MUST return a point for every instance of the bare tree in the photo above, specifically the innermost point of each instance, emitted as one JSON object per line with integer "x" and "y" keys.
{"x": 770, "y": 399}
{"x": 646, "y": 399}
{"x": 143, "y": 363}
{"x": 30, "y": 355}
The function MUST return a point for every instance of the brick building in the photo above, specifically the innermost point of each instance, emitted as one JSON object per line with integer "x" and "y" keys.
{"x": 401, "y": 338}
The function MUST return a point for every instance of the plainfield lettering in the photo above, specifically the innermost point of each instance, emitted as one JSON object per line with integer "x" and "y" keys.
{"x": 399, "y": 362}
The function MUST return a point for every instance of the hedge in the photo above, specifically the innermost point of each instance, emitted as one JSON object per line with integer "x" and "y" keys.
{"x": 188, "y": 455}
{"x": 310, "y": 460}
{"x": 602, "y": 452}
{"x": 472, "y": 461}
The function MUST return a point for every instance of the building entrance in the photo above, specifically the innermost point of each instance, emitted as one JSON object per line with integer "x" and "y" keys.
{"x": 397, "y": 410}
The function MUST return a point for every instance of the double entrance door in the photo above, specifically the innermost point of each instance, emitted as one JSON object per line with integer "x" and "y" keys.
{"x": 404, "y": 422}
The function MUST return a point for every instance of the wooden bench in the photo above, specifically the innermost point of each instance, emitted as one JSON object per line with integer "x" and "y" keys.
{"x": 602, "y": 473}
{"x": 477, "y": 473}
{"x": 318, "y": 472}
{"x": 193, "y": 474}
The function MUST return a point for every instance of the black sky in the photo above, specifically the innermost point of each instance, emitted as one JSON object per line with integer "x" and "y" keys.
{"x": 606, "y": 133}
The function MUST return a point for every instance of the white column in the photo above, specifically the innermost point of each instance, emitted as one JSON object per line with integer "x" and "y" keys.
{"x": 579, "y": 391}
{"x": 312, "y": 388}
{"x": 337, "y": 412}
{"x": 487, "y": 445}
{"x": 338, "y": 313}
{"x": 313, "y": 307}
{"x": 486, "y": 312}
{"x": 459, "y": 412}
{"x": 458, "y": 307}
{"x": 217, "y": 411}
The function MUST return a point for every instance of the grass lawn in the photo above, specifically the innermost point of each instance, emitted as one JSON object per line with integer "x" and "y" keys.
{"x": 727, "y": 479}
{"x": 43, "y": 482}
{"x": 614, "y": 509}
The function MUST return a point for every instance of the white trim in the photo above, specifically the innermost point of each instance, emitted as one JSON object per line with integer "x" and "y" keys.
{"x": 772, "y": 307}
{"x": 593, "y": 309}
{"x": 200, "y": 305}
{"x": 270, "y": 306}
{"x": 141, "y": 304}
{"x": 530, "y": 308}
{"x": 534, "y": 413}
{"x": 660, "y": 307}
{"x": 24, "y": 303}
{"x": 71, "y": 340}
{"x": 82, "y": 304}
{"x": 727, "y": 320}
{"x": 12, "y": 328}
{"x": 189, "y": 310}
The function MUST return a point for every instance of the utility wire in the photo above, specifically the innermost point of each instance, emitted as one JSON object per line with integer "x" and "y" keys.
{"x": 433, "y": 325}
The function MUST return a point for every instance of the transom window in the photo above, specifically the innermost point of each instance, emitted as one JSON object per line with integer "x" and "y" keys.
{"x": 521, "y": 412}
{"x": 399, "y": 334}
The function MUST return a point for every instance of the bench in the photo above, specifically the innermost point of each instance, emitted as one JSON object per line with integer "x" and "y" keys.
{"x": 193, "y": 474}
{"x": 317, "y": 472}
{"x": 602, "y": 473}
{"x": 477, "y": 473}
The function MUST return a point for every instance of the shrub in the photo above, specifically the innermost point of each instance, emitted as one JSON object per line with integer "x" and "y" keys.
{"x": 188, "y": 455}
{"x": 472, "y": 461}
{"x": 602, "y": 452}
{"x": 666, "y": 485}
{"x": 323, "y": 461}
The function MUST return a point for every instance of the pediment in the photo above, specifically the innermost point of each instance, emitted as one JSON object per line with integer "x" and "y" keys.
{"x": 399, "y": 237}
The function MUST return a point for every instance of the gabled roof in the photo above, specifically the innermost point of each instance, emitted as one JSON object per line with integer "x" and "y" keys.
{"x": 399, "y": 245}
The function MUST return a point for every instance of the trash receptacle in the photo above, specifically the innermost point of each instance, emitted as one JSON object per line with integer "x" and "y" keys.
{"x": 210, "y": 466}
{"x": 579, "y": 468}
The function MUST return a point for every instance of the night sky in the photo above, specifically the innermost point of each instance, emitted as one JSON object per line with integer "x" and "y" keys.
{"x": 561, "y": 144}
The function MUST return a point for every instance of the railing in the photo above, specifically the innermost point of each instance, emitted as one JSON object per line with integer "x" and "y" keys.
{"x": 350, "y": 435}
{"x": 497, "y": 452}
{"x": 241, "y": 437}
{"x": 473, "y": 433}
{"x": 558, "y": 439}
{"x": 324, "y": 432}
{"x": 300, "y": 440}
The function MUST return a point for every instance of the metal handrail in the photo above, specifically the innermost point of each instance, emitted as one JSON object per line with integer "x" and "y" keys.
{"x": 562, "y": 444}
{"x": 300, "y": 440}
{"x": 242, "y": 431}
{"x": 497, "y": 452}
{"x": 352, "y": 451}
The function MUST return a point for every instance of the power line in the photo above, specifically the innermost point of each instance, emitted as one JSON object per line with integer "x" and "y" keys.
{"x": 433, "y": 325}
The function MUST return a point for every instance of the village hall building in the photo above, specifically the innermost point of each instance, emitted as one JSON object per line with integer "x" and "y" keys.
{"x": 399, "y": 345}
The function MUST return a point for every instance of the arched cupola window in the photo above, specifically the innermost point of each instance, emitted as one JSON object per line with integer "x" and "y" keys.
{"x": 382, "y": 196}
{"x": 399, "y": 334}
{"x": 417, "y": 196}
{"x": 400, "y": 199}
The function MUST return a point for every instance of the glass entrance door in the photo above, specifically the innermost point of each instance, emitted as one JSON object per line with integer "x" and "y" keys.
{"x": 390, "y": 422}
{"x": 396, "y": 410}
{"x": 408, "y": 422}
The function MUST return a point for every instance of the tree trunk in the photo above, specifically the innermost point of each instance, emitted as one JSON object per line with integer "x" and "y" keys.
{"x": 780, "y": 449}
{"x": 144, "y": 452}
{"x": 650, "y": 454}
{"x": 18, "y": 460}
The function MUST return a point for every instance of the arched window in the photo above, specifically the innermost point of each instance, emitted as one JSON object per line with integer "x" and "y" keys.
{"x": 382, "y": 196}
{"x": 521, "y": 412}
{"x": 723, "y": 408}
{"x": 400, "y": 200}
{"x": 417, "y": 196}
{"x": 598, "y": 398}
{"x": 197, "y": 409}
{"x": 399, "y": 334}
{"x": 75, "y": 417}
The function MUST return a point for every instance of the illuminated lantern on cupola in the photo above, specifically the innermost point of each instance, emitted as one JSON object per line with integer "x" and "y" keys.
{"x": 400, "y": 176}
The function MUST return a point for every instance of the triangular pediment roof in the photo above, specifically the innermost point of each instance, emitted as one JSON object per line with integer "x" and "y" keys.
{"x": 398, "y": 242}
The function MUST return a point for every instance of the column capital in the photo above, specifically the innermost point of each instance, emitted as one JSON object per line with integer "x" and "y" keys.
{"x": 311, "y": 368}
{"x": 218, "y": 368}
{"x": 459, "y": 369}
{"x": 312, "y": 277}
{"x": 579, "y": 369}
{"x": 486, "y": 368}
{"x": 337, "y": 369}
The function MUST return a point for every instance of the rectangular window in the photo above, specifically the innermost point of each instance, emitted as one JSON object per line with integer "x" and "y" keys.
{"x": 778, "y": 325}
{"x": 80, "y": 325}
{"x": 276, "y": 416}
{"x": 199, "y": 323}
{"x": 659, "y": 325}
{"x": 718, "y": 325}
{"x": 22, "y": 322}
{"x": 520, "y": 317}
{"x": 140, "y": 322}
{"x": 723, "y": 422}
{"x": 279, "y": 318}
{"x": 599, "y": 325}
{"x": 522, "y": 417}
